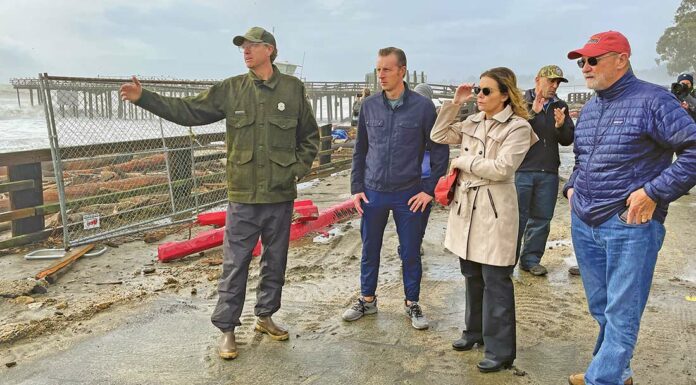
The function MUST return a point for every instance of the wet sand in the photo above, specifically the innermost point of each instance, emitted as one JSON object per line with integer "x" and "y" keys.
{"x": 155, "y": 328}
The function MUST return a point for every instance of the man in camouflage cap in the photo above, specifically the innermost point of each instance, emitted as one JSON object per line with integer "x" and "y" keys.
{"x": 272, "y": 139}
{"x": 537, "y": 178}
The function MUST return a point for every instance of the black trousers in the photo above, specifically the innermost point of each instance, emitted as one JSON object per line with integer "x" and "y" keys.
{"x": 490, "y": 308}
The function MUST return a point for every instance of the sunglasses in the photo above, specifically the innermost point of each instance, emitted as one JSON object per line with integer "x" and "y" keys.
{"x": 485, "y": 90}
{"x": 592, "y": 61}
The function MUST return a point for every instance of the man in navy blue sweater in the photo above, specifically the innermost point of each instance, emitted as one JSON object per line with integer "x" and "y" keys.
{"x": 623, "y": 181}
{"x": 393, "y": 131}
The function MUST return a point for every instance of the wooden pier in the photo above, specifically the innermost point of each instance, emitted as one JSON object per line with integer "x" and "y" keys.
{"x": 331, "y": 101}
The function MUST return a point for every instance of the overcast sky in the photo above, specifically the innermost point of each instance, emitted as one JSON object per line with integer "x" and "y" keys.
{"x": 449, "y": 40}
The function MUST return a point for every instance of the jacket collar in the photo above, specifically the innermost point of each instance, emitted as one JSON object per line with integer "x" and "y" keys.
{"x": 270, "y": 83}
{"x": 404, "y": 97}
{"x": 502, "y": 116}
{"x": 619, "y": 87}
{"x": 530, "y": 94}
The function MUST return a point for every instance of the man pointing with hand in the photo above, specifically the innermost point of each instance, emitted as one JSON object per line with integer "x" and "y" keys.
{"x": 271, "y": 139}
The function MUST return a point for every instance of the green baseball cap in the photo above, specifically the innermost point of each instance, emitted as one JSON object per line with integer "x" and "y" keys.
{"x": 255, "y": 35}
{"x": 552, "y": 72}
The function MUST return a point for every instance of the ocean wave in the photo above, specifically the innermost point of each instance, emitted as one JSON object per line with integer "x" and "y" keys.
{"x": 8, "y": 112}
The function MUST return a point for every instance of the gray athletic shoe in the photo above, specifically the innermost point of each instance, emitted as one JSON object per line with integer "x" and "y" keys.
{"x": 415, "y": 313}
{"x": 360, "y": 309}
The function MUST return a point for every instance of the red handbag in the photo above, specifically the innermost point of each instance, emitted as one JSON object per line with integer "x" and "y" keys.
{"x": 444, "y": 190}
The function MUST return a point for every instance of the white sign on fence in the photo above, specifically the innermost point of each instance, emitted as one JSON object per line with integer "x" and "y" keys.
{"x": 90, "y": 221}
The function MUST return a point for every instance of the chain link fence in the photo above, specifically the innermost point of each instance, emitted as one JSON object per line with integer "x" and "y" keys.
{"x": 118, "y": 169}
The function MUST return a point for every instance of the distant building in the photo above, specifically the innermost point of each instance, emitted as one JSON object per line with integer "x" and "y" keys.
{"x": 287, "y": 68}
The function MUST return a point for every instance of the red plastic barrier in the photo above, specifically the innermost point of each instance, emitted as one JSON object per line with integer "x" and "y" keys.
{"x": 307, "y": 211}
{"x": 206, "y": 240}
{"x": 216, "y": 218}
{"x": 203, "y": 241}
{"x": 213, "y": 238}
{"x": 329, "y": 216}
{"x": 306, "y": 208}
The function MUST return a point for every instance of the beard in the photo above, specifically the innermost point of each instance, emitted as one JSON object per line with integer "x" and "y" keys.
{"x": 597, "y": 82}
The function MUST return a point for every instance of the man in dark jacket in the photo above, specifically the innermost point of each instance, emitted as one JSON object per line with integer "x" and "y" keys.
{"x": 536, "y": 179}
{"x": 393, "y": 131}
{"x": 272, "y": 139}
{"x": 623, "y": 181}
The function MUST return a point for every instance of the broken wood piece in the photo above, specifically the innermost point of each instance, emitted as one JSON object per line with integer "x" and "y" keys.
{"x": 71, "y": 257}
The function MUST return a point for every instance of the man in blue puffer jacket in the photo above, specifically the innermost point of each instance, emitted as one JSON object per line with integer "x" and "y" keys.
{"x": 622, "y": 183}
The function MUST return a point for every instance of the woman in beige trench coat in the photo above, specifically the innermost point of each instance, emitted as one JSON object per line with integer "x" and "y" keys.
{"x": 483, "y": 220}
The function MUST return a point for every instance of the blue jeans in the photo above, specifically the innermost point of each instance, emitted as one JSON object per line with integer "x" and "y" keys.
{"x": 536, "y": 196}
{"x": 617, "y": 261}
{"x": 409, "y": 229}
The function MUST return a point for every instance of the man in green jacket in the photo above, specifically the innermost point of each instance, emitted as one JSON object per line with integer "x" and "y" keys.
{"x": 272, "y": 139}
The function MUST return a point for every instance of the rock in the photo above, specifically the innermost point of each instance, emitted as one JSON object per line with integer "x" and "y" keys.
{"x": 58, "y": 313}
{"x": 148, "y": 270}
{"x": 111, "y": 244}
{"x": 61, "y": 305}
{"x": 194, "y": 291}
{"x": 24, "y": 300}
{"x": 103, "y": 306}
{"x": 11, "y": 364}
{"x": 171, "y": 281}
{"x": 35, "y": 305}
{"x": 518, "y": 372}
{"x": 17, "y": 288}
{"x": 213, "y": 275}
{"x": 154, "y": 236}
{"x": 38, "y": 289}
{"x": 211, "y": 261}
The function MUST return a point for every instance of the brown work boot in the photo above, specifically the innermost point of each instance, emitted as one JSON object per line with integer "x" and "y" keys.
{"x": 579, "y": 379}
{"x": 266, "y": 325}
{"x": 227, "y": 347}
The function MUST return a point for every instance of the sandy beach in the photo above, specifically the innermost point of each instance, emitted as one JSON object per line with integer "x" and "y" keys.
{"x": 106, "y": 321}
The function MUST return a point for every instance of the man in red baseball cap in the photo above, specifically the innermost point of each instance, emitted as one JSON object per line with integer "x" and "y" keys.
{"x": 599, "y": 72}
{"x": 619, "y": 192}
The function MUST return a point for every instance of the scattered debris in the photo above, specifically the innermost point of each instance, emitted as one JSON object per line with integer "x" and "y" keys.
{"x": 24, "y": 300}
{"x": 211, "y": 261}
{"x": 22, "y": 287}
{"x": 329, "y": 236}
{"x": 50, "y": 273}
{"x": 518, "y": 372}
{"x": 155, "y": 236}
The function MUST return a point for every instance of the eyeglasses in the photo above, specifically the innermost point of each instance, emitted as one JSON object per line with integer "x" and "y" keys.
{"x": 592, "y": 61}
{"x": 485, "y": 90}
{"x": 249, "y": 45}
